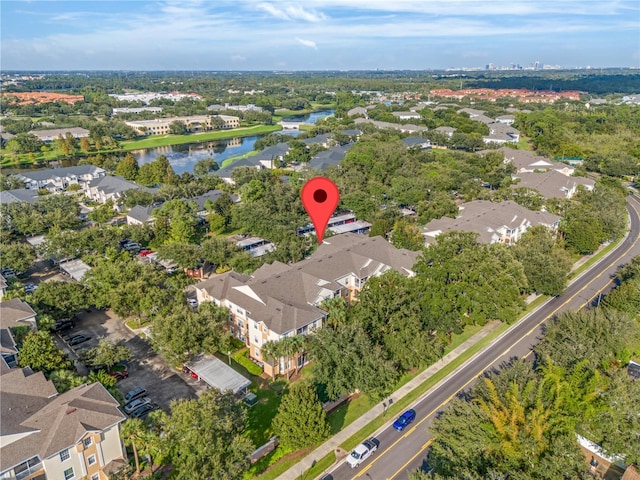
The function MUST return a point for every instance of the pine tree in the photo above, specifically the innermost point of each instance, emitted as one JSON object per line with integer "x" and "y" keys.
{"x": 301, "y": 421}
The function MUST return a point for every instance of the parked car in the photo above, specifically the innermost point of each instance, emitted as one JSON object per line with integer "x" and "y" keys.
{"x": 145, "y": 252}
{"x": 62, "y": 325}
{"x": 78, "y": 339}
{"x": 30, "y": 287}
{"x": 144, "y": 410}
{"x": 192, "y": 302}
{"x": 135, "y": 404}
{"x": 119, "y": 375}
{"x": 362, "y": 452}
{"x": 405, "y": 419}
{"x": 134, "y": 393}
{"x": 8, "y": 272}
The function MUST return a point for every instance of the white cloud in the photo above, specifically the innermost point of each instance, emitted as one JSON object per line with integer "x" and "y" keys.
{"x": 307, "y": 43}
{"x": 292, "y": 12}
{"x": 237, "y": 58}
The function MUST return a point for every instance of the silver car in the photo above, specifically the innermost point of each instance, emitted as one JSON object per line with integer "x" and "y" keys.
{"x": 133, "y": 404}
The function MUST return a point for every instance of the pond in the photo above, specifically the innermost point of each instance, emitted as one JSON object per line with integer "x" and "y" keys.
{"x": 183, "y": 157}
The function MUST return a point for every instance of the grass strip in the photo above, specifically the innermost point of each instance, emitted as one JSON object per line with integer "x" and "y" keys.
{"x": 164, "y": 140}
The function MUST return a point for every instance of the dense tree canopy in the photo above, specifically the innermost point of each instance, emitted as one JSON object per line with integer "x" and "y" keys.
{"x": 40, "y": 353}
{"x": 507, "y": 427}
{"x": 17, "y": 256}
{"x": 204, "y": 437}
{"x": 60, "y": 299}
{"x": 301, "y": 421}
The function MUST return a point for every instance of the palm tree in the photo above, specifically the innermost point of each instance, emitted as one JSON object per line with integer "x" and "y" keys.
{"x": 133, "y": 430}
{"x": 273, "y": 350}
{"x": 290, "y": 347}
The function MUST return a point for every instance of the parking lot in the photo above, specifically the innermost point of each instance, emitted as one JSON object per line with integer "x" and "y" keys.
{"x": 146, "y": 369}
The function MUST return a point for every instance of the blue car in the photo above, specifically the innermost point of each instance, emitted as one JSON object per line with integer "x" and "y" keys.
{"x": 405, "y": 419}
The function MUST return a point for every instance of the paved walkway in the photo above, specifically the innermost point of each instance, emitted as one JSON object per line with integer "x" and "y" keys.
{"x": 334, "y": 442}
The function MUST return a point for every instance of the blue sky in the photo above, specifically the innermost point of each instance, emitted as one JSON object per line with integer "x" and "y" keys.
{"x": 316, "y": 34}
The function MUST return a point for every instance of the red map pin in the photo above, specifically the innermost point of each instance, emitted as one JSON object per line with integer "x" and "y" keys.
{"x": 320, "y": 197}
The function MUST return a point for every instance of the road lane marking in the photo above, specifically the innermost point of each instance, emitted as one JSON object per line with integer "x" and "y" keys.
{"x": 447, "y": 400}
{"x": 422, "y": 449}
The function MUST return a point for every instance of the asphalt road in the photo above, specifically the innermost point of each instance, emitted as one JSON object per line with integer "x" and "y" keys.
{"x": 403, "y": 452}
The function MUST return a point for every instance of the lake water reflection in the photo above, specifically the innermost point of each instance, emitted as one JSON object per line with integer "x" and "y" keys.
{"x": 183, "y": 157}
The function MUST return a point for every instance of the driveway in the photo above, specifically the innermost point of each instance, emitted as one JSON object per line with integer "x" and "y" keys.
{"x": 146, "y": 369}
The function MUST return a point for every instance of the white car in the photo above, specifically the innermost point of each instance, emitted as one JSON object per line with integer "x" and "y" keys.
{"x": 362, "y": 452}
{"x": 192, "y": 302}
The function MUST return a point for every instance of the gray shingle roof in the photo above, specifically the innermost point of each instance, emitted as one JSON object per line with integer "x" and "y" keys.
{"x": 415, "y": 141}
{"x": 284, "y": 296}
{"x": 272, "y": 152}
{"x": 14, "y": 311}
{"x": 485, "y": 218}
{"x": 142, "y": 213}
{"x": 225, "y": 172}
{"x": 327, "y": 158}
{"x": 52, "y": 422}
{"x": 551, "y": 184}
{"x": 49, "y": 173}
{"x": 115, "y": 184}
{"x": 321, "y": 138}
{"x": 18, "y": 195}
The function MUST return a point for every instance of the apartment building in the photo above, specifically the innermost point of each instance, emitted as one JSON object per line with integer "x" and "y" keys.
{"x": 503, "y": 222}
{"x": 47, "y": 435}
{"x": 13, "y": 313}
{"x": 194, "y": 124}
{"x": 281, "y": 300}
{"x": 60, "y": 178}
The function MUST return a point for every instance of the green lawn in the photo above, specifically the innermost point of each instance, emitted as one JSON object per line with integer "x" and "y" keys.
{"x": 524, "y": 143}
{"x": 163, "y": 140}
{"x": 9, "y": 160}
{"x": 261, "y": 414}
{"x": 230, "y": 160}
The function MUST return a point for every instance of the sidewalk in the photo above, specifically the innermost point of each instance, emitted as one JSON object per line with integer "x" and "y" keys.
{"x": 334, "y": 442}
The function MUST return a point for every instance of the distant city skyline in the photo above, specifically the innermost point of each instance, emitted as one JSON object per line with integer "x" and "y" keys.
{"x": 245, "y": 35}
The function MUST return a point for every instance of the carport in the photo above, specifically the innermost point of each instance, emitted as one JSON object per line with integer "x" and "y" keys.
{"x": 75, "y": 269}
{"x": 219, "y": 375}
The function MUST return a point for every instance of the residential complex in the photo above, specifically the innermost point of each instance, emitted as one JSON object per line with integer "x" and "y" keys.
{"x": 522, "y": 94}
{"x": 503, "y": 222}
{"x": 13, "y": 313}
{"x": 281, "y": 300}
{"x": 47, "y": 435}
{"x": 93, "y": 181}
{"x": 60, "y": 178}
{"x": 193, "y": 123}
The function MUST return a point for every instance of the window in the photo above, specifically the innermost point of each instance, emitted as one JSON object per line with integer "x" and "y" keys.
{"x": 64, "y": 455}
{"x": 95, "y": 476}
{"x": 91, "y": 460}
{"x": 257, "y": 353}
{"x": 68, "y": 473}
{"x": 87, "y": 441}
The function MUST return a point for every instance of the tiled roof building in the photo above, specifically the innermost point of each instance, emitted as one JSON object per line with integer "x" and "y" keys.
{"x": 281, "y": 300}
{"x": 49, "y": 435}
